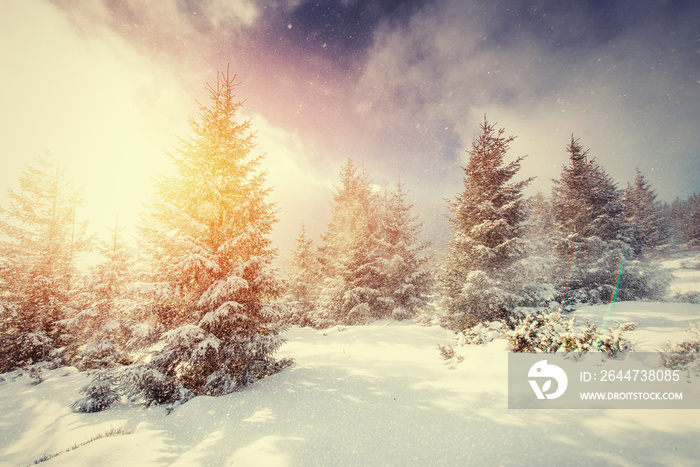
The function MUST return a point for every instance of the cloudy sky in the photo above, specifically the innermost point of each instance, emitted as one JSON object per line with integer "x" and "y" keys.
{"x": 398, "y": 85}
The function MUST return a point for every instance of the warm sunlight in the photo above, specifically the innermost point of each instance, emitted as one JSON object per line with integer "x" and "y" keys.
{"x": 110, "y": 115}
{"x": 349, "y": 232}
{"x": 95, "y": 105}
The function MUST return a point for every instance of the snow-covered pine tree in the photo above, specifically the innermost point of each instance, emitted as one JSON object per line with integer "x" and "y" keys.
{"x": 594, "y": 244}
{"x": 477, "y": 279}
{"x": 208, "y": 232}
{"x": 116, "y": 271}
{"x": 99, "y": 332}
{"x": 585, "y": 198}
{"x": 541, "y": 220}
{"x": 589, "y": 216}
{"x": 407, "y": 281}
{"x": 649, "y": 229}
{"x": 350, "y": 254}
{"x": 691, "y": 226}
{"x": 684, "y": 216}
{"x": 40, "y": 241}
{"x": 539, "y": 265}
{"x": 303, "y": 282}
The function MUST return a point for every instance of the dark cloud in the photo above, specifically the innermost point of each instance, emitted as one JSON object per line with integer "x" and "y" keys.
{"x": 404, "y": 84}
{"x": 623, "y": 75}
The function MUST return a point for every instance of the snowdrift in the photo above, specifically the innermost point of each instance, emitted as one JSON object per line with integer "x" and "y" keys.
{"x": 369, "y": 395}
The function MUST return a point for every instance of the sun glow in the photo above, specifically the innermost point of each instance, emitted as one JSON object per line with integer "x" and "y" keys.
{"x": 108, "y": 116}
{"x": 94, "y": 104}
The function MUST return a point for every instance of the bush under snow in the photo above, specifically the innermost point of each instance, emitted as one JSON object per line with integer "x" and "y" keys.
{"x": 684, "y": 355}
{"x": 552, "y": 332}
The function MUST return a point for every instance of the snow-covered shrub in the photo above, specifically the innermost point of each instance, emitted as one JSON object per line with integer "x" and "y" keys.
{"x": 482, "y": 333}
{"x": 360, "y": 313}
{"x": 536, "y": 295}
{"x": 448, "y": 354}
{"x": 400, "y": 313}
{"x": 340, "y": 303}
{"x": 35, "y": 375}
{"x": 19, "y": 348}
{"x": 428, "y": 315}
{"x": 96, "y": 340}
{"x": 554, "y": 332}
{"x": 296, "y": 313}
{"x": 684, "y": 355}
{"x": 611, "y": 341}
{"x": 142, "y": 383}
{"x": 139, "y": 383}
{"x": 691, "y": 263}
{"x": 481, "y": 299}
{"x": 692, "y": 296}
{"x": 643, "y": 280}
{"x": 100, "y": 393}
{"x": 225, "y": 351}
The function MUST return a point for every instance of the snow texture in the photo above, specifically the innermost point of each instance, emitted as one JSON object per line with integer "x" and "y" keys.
{"x": 358, "y": 395}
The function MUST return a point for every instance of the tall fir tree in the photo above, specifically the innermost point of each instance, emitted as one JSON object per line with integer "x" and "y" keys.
{"x": 407, "y": 281}
{"x": 370, "y": 264}
{"x": 649, "y": 229}
{"x": 487, "y": 241}
{"x": 589, "y": 216}
{"x": 540, "y": 264}
{"x": 208, "y": 233}
{"x": 684, "y": 216}
{"x": 541, "y": 220}
{"x": 115, "y": 272}
{"x": 41, "y": 239}
{"x": 349, "y": 256}
{"x": 594, "y": 245}
{"x": 106, "y": 307}
{"x": 585, "y": 198}
{"x": 304, "y": 281}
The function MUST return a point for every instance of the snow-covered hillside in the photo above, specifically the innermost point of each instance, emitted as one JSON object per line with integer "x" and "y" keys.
{"x": 367, "y": 395}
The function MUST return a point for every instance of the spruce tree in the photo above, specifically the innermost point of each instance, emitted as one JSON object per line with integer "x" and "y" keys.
{"x": 40, "y": 241}
{"x": 538, "y": 268}
{"x": 370, "y": 264}
{"x": 101, "y": 329}
{"x": 585, "y": 198}
{"x": 594, "y": 245}
{"x": 685, "y": 216}
{"x": 208, "y": 235}
{"x": 115, "y": 272}
{"x": 303, "y": 283}
{"x": 541, "y": 221}
{"x": 487, "y": 218}
{"x": 649, "y": 229}
{"x": 589, "y": 216}
{"x": 350, "y": 254}
{"x": 407, "y": 281}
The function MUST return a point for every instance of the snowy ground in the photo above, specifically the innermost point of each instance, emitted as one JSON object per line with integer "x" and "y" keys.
{"x": 372, "y": 395}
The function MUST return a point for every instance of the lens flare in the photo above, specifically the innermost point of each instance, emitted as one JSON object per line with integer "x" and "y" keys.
{"x": 617, "y": 287}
